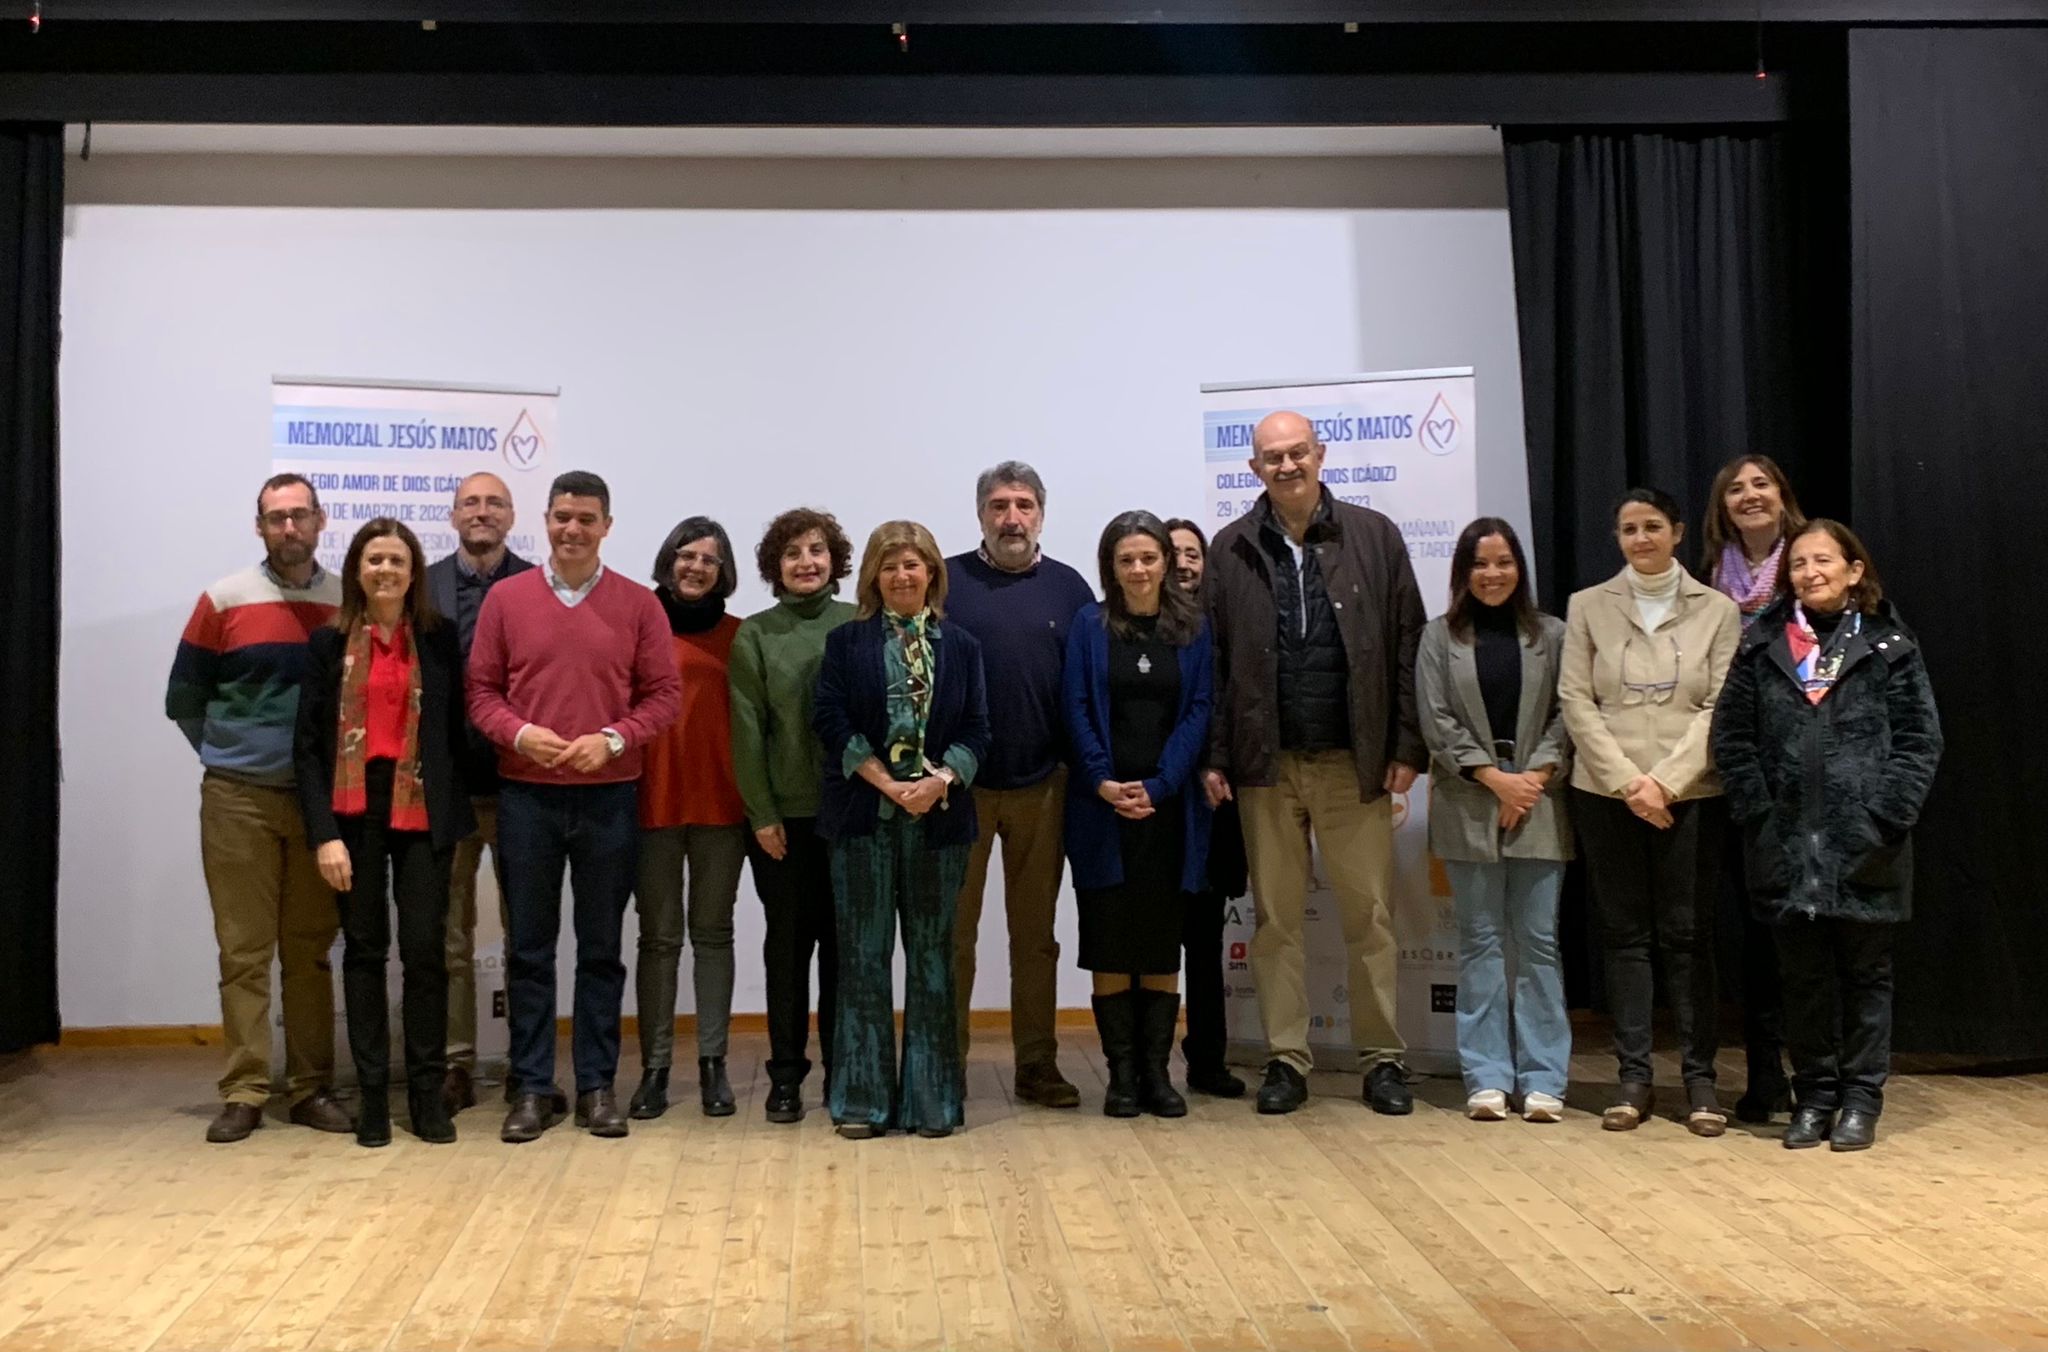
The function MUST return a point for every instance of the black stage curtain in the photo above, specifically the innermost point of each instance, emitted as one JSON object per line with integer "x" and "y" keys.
{"x": 31, "y": 248}
{"x": 1681, "y": 299}
{"x": 1949, "y": 150}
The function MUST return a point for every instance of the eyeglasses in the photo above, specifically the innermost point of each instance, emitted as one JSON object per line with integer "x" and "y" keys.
{"x": 1299, "y": 455}
{"x": 1649, "y": 692}
{"x": 303, "y": 518}
{"x": 691, "y": 558}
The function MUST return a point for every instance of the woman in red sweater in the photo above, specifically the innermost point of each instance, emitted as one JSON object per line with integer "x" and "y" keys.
{"x": 691, "y": 822}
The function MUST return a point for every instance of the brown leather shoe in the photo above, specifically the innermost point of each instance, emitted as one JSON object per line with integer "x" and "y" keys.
{"x": 1046, "y": 1087}
{"x": 235, "y": 1122}
{"x": 322, "y": 1113}
{"x": 458, "y": 1090}
{"x": 531, "y": 1115}
{"x": 598, "y": 1110}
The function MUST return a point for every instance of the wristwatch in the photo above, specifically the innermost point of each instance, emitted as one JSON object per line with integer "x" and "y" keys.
{"x": 615, "y": 741}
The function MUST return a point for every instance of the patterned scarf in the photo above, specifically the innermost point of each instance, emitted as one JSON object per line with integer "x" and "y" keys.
{"x": 910, "y": 701}
{"x": 352, "y": 738}
{"x": 1819, "y": 664}
{"x": 1750, "y": 589}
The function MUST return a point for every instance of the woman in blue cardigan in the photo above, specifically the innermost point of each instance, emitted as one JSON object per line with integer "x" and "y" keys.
{"x": 1136, "y": 692}
{"x": 903, "y": 720}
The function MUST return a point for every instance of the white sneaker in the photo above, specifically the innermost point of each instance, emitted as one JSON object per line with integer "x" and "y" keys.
{"x": 1542, "y": 1108}
{"x": 1488, "y": 1105}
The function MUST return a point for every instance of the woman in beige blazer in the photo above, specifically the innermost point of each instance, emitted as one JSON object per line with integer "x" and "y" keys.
{"x": 1486, "y": 688}
{"x": 1644, "y": 657}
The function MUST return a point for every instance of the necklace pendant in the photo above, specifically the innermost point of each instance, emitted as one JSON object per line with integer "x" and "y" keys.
{"x": 1144, "y": 664}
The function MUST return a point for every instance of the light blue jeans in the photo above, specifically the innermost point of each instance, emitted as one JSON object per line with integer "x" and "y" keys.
{"x": 1523, "y": 1044}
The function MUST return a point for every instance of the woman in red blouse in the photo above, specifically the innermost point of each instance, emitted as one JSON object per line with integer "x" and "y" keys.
{"x": 378, "y": 753}
{"x": 691, "y": 821}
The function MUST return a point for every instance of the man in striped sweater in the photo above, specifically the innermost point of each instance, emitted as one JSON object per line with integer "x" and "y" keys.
{"x": 234, "y": 692}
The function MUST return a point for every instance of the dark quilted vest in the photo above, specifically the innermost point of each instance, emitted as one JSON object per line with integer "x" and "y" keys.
{"x": 1314, "y": 713}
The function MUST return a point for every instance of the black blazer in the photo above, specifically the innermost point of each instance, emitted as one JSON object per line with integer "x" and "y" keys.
{"x": 480, "y": 764}
{"x": 853, "y": 697}
{"x": 443, "y": 725}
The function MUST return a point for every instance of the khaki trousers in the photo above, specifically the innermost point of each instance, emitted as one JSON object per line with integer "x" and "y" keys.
{"x": 1029, "y": 822}
{"x": 268, "y": 901}
{"x": 461, "y": 938}
{"x": 1317, "y": 796}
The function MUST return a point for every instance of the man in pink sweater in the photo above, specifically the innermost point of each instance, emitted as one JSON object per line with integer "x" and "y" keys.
{"x": 571, "y": 674}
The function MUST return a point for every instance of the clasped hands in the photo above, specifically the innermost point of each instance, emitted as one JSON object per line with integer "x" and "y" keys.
{"x": 1518, "y": 791}
{"x": 545, "y": 747}
{"x": 1129, "y": 799}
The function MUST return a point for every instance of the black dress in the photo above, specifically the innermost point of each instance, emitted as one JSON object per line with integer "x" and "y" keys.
{"x": 1136, "y": 925}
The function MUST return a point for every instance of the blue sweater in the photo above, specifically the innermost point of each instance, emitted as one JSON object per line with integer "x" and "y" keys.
{"x": 1093, "y": 845}
{"x": 1020, "y": 620}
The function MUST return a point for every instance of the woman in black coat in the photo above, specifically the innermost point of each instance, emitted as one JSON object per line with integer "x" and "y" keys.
{"x": 378, "y": 747}
{"x": 1826, "y": 738}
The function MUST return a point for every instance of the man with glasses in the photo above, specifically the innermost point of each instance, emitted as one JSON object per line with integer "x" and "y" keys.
{"x": 1316, "y": 619}
{"x": 234, "y": 693}
{"x": 482, "y": 517}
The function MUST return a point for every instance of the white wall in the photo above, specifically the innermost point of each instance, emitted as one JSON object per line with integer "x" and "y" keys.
{"x": 729, "y": 338}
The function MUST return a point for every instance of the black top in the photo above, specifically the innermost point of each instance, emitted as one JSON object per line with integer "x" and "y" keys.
{"x": 1314, "y": 669}
{"x": 1144, "y": 698}
{"x": 1825, "y": 623}
{"x": 1497, "y": 653}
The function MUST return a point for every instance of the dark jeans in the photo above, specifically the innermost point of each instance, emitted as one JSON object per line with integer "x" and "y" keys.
{"x": 1656, "y": 890}
{"x": 593, "y": 830}
{"x": 1838, "y": 1010}
{"x": 796, "y": 901}
{"x": 402, "y": 867}
{"x": 1201, "y": 936}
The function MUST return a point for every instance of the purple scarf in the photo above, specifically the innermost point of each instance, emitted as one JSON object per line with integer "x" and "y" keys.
{"x": 1752, "y": 590}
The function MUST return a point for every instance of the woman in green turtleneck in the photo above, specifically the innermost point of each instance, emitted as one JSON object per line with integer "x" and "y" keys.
{"x": 775, "y": 659}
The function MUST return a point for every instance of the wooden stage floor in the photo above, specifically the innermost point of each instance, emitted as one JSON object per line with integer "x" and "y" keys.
{"x": 121, "y": 1229}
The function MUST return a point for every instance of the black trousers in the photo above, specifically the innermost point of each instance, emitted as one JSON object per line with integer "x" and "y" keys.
{"x": 1656, "y": 891}
{"x": 796, "y": 899}
{"x": 400, "y": 867}
{"x": 1201, "y": 938}
{"x": 1747, "y": 953}
{"x": 1838, "y": 1010}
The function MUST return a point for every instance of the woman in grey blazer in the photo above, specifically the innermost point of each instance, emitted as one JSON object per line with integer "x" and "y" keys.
{"x": 1486, "y": 683}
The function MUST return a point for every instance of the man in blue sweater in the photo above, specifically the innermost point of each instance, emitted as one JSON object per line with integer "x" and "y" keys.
{"x": 1018, "y": 604}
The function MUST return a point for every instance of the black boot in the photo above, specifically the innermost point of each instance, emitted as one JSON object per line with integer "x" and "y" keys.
{"x": 786, "y": 1101}
{"x": 1159, "y": 1011}
{"x": 373, "y": 1116}
{"x": 713, "y": 1089}
{"x": 650, "y": 1100}
{"x": 428, "y": 1108}
{"x": 1810, "y": 1126}
{"x": 1116, "y": 1019}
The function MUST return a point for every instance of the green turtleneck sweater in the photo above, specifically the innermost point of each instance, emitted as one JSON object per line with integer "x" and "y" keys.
{"x": 775, "y": 660}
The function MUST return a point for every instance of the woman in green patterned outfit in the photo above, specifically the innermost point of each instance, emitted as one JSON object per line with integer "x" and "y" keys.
{"x": 903, "y": 719}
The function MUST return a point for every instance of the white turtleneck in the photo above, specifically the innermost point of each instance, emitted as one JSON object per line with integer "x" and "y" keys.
{"x": 1656, "y": 596}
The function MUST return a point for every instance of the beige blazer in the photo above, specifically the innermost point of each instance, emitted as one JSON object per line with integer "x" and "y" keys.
{"x": 1619, "y": 733}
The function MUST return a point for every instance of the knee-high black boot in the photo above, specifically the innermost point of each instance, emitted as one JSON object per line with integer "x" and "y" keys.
{"x": 1116, "y": 1019}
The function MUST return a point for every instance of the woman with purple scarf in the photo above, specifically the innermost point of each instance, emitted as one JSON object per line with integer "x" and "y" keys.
{"x": 1752, "y": 513}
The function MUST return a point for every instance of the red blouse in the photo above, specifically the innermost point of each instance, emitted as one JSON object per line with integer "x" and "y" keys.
{"x": 389, "y": 686}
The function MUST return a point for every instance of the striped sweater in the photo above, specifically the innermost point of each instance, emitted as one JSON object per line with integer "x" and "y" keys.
{"x": 234, "y": 688}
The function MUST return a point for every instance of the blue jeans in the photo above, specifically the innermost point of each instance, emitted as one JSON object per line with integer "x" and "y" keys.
{"x": 593, "y": 830}
{"x": 1524, "y": 1044}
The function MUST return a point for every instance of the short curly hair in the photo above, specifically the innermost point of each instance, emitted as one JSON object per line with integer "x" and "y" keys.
{"x": 792, "y": 525}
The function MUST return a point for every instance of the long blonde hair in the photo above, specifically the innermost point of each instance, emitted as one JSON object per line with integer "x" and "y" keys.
{"x": 887, "y": 539}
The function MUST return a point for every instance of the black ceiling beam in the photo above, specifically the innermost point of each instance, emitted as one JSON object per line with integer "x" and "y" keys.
{"x": 1245, "y": 13}
{"x": 897, "y": 101}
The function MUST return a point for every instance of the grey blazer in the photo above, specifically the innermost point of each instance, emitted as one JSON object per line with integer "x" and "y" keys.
{"x": 1464, "y": 815}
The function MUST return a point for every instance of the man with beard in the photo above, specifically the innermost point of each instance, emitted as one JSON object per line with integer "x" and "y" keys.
{"x": 1017, "y": 604}
{"x": 1201, "y": 934}
{"x": 482, "y": 516}
{"x": 234, "y": 693}
{"x": 1317, "y": 621}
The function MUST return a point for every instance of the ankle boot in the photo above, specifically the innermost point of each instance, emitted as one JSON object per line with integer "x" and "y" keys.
{"x": 429, "y": 1110}
{"x": 1116, "y": 1021}
{"x": 650, "y": 1100}
{"x": 714, "y": 1090}
{"x": 1158, "y": 1012}
{"x": 373, "y": 1116}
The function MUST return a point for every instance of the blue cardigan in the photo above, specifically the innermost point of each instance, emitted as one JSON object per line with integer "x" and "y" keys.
{"x": 853, "y": 697}
{"x": 1091, "y": 824}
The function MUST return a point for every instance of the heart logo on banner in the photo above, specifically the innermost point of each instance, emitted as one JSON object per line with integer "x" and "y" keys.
{"x": 523, "y": 446}
{"x": 1438, "y": 430}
